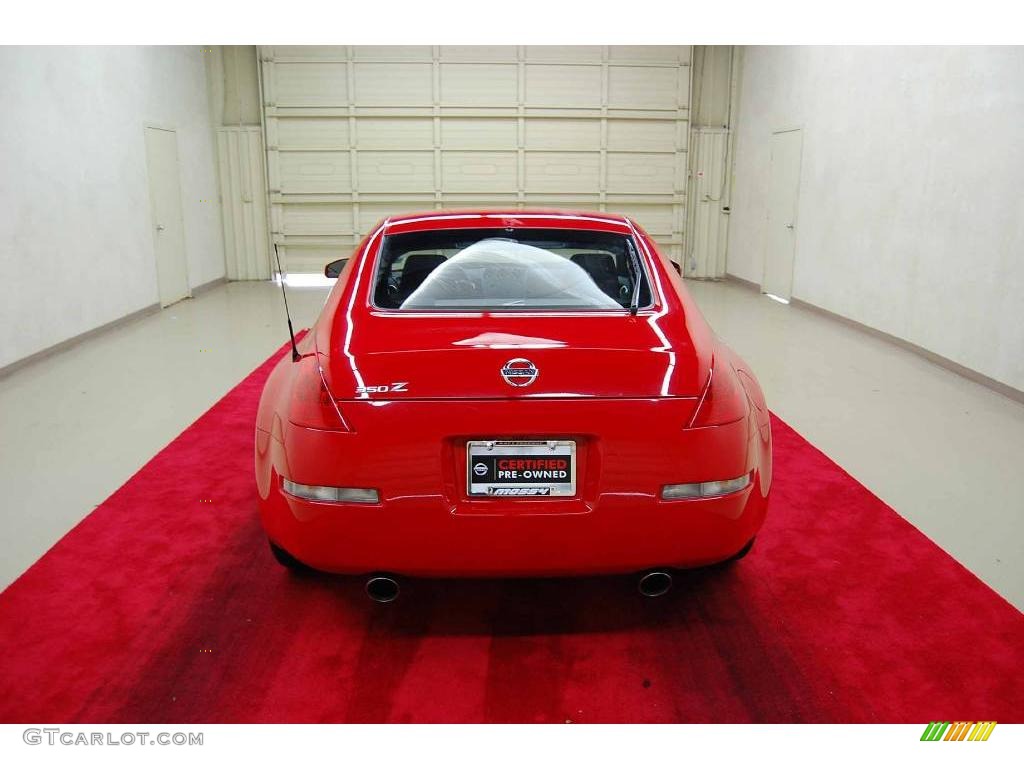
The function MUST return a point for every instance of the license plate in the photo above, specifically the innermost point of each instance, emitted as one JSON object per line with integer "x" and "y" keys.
{"x": 521, "y": 469}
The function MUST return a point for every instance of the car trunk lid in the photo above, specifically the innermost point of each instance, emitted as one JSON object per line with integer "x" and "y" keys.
{"x": 503, "y": 356}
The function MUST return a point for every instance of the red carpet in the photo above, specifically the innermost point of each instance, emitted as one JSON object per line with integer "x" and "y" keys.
{"x": 164, "y": 605}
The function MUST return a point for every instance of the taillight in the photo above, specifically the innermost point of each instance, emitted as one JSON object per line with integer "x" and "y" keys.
{"x": 312, "y": 404}
{"x": 724, "y": 398}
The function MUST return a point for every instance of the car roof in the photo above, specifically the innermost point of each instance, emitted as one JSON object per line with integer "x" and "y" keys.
{"x": 503, "y": 217}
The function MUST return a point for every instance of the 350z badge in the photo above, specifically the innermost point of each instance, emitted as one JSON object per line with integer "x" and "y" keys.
{"x": 380, "y": 389}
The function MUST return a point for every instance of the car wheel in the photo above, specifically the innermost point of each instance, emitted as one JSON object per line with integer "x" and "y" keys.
{"x": 288, "y": 561}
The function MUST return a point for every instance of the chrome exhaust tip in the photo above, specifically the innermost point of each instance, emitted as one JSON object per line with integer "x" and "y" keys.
{"x": 382, "y": 589}
{"x": 655, "y": 583}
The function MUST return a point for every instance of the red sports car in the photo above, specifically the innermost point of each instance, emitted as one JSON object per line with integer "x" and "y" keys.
{"x": 518, "y": 393}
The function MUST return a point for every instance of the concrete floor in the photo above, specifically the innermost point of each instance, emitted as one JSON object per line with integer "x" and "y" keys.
{"x": 941, "y": 450}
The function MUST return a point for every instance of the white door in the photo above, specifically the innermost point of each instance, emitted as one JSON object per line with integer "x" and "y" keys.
{"x": 243, "y": 202}
{"x": 168, "y": 222}
{"x": 783, "y": 194}
{"x": 708, "y": 224}
{"x": 357, "y": 133}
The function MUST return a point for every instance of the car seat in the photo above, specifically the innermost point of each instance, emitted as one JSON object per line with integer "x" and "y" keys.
{"x": 601, "y": 268}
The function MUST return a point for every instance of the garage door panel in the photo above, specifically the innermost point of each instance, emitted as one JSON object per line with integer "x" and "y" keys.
{"x": 392, "y": 52}
{"x": 581, "y": 201}
{"x": 565, "y": 53}
{"x": 642, "y": 135}
{"x": 306, "y": 84}
{"x": 641, "y": 173}
{"x": 480, "y": 53}
{"x": 313, "y": 133}
{"x": 394, "y": 133}
{"x": 479, "y": 133}
{"x": 314, "y": 172}
{"x": 313, "y": 257}
{"x": 659, "y": 221}
{"x": 484, "y": 172}
{"x": 372, "y": 213}
{"x": 643, "y": 88}
{"x": 553, "y": 85}
{"x": 335, "y": 52}
{"x": 563, "y": 172}
{"x": 393, "y": 85}
{"x": 476, "y": 201}
{"x": 545, "y": 133}
{"x": 661, "y": 54}
{"x": 317, "y": 219}
{"x": 479, "y": 85}
{"x": 396, "y": 171}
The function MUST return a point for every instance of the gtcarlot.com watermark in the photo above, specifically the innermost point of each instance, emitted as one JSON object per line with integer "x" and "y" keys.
{"x": 68, "y": 738}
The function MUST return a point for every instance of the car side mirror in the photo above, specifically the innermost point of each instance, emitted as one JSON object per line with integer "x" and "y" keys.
{"x": 334, "y": 268}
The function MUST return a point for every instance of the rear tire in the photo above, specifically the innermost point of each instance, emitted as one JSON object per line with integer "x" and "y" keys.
{"x": 289, "y": 562}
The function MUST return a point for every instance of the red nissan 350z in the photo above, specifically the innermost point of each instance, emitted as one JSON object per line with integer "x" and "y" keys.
{"x": 510, "y": 394}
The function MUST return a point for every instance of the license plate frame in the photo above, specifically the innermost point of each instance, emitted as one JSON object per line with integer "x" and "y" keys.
{"x": 542, "y": 481}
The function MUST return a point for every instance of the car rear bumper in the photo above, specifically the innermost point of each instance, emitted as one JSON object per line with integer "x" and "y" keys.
{"x": 422, "y": 537}
{"x": 427, "y": 525}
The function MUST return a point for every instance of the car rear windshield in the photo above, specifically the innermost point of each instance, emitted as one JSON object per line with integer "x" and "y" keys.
{"x": 519, "y": 269}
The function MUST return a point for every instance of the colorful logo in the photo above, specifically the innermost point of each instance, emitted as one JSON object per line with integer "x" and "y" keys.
{"x": 959, "y": 731}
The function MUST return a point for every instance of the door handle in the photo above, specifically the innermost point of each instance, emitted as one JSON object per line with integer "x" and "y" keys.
{"x": 789, "y": 226}
{"x": 159, "y": 227}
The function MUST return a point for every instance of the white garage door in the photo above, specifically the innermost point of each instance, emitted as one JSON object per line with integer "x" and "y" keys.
{"x": 358, "y": 133}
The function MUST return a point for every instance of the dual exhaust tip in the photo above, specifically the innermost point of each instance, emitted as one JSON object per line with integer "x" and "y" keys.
{"x": 384, "y": 589}
{"x": 655, "y": 583}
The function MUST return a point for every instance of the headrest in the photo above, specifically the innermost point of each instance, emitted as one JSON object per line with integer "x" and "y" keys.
{"x": 595, "y": 262}
{"x": 422, "y": 262}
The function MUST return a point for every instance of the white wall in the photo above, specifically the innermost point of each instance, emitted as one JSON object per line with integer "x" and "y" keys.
{"x": 76, "y": 238}
{"x": 911, "y": 213}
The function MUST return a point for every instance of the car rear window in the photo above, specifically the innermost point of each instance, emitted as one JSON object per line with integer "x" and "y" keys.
{"x": 519, "y": 269}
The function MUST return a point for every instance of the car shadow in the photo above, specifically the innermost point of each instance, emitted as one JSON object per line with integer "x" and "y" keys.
{"x": 529, "y": 606}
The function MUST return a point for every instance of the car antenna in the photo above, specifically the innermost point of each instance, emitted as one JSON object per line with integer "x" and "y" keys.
{"x": 291, "y": 332}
